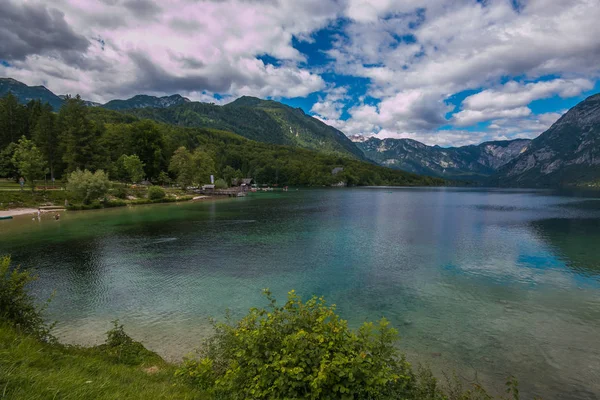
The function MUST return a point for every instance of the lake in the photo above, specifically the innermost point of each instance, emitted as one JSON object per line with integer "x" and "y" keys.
{"x": 493, "y": 282}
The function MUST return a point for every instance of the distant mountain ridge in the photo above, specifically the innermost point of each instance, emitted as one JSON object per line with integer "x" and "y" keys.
{"x": 566, "y": 154}
{"x": 25, "y": 93}
{"x": 261, "y": 120}
{"x": 143, "y": 101}
{"x": 474, "y": 162}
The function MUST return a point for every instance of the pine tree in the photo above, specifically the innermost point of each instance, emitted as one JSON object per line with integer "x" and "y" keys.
{"x": 78, "y": 134}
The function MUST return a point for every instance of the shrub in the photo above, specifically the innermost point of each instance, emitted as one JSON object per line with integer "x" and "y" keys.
{"x": 121, "y": 348}
{"x": 220, "y": 184}
{"x": 17, "y": 307}
{"x": 300, "y": 350}
{"x": 87, "y": 186}
{"x": 120, "y": 192}
{"x": 156, "y": 193}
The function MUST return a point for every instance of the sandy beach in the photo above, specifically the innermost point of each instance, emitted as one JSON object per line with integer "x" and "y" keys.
{"x": 17, "y": 211}
{"x": 23, "y": 211}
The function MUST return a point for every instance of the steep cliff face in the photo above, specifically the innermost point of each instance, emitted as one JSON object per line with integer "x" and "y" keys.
{"x": 476, "y": 162}
{"x": 567, "y": 153}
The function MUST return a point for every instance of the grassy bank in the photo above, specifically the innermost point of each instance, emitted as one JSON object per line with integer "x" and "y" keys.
{"x": 120, "y": 195}
{"x": 31, "y": 369}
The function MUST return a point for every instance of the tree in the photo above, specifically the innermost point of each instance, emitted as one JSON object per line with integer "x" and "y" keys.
{"x": 203, "y": 166}
{"x": 146, "y": 141}
{"x": 134, "y": 167}
{"x": 229, "y": 173}
{"x": 301, "y": 350}
{"x": 8, "y": 169}
{"x": 13, "y": 120}
{"x": 29, "y": 161}
{"x": 88, "y": 186}
{"x": 181, "y": 166}
{"x": 45, "y": 135}
{"x": 221, "y": 184}
{"x": 193, "y": 167}
{"x": 79, "y": 135}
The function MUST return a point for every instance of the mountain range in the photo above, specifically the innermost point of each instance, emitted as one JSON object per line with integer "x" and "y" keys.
{"x": 474, "y": 163}
{"x": 567, "y": 153}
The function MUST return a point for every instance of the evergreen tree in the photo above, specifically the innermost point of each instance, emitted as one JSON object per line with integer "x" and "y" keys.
{"x": 78, "y": 134}
{"x": 45, "y": 136}
{"x": 13, "y": 120}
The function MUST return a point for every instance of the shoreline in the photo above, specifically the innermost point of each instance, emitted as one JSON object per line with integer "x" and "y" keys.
{"x": 14, "y": 212}
{"x": 20, "y": 211}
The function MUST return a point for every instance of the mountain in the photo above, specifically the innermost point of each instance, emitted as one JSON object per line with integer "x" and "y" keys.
{"x": 143, "y": 101}
{"x": 475, "y": 162}
{"x": 260, "y": 120}
{"x": 567, "y": 153}
{"x": 87, "y": 102}
{"x": 25, "y": 93}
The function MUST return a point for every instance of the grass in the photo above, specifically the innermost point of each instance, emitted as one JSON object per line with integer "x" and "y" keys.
{"x": 26, "y": 199}
{"x": 30, "y": 369}
{"x": 12, "y": 197}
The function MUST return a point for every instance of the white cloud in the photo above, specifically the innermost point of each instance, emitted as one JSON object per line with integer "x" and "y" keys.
{"x": 415, "y": 54}
{"x": 187, "y": 47}
{"x": 460, "y": 45}
{"x": 513, "y": 94}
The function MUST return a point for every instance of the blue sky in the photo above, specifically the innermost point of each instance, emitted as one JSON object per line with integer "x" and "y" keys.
{"x": 445, "y": 72}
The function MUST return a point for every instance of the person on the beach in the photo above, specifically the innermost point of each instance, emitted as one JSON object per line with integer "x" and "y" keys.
{"x": 39, "y": 213}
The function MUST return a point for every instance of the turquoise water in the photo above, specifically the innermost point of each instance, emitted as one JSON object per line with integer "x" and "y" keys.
{"x": 496, "y": 282}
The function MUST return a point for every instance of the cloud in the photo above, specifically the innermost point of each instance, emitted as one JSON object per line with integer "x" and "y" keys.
{"x": 446, "y": 47}
{"x": 513, "y": 94}
{"x": 189, "y": 47}
{"x": 413, "y": 55}
{"x": 34, "y": 29}
{"x": 471, "y": 117}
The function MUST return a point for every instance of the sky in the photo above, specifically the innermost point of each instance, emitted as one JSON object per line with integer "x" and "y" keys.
{"x": 444, "y": 72}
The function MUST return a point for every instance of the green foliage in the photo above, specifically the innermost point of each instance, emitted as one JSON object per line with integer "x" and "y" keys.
{"x": 17, "y": 307}
{"x": 16, "y": 199}
{"x": 87, "y": 186}
{"x": 190, "y": 167}
{"x": 163, "y": 178}
{"x": 156, "y": 193}
{"x": 45, "y": 136}
{"x": 8, "y": 169}
{"x": 29, "y": 161}
{"x": 133, "y": 167}
{"x": 79, "y": 135}
{"x": 221, "y": 184}
{"x": 120, "y": 191}
{"x": 300, "y": 350}
{"x": 121, "y": 348}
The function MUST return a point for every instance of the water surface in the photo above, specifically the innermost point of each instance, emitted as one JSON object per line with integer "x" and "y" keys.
{"x": 496, "y": 282}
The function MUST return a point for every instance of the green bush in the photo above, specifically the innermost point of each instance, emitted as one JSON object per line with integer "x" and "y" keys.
{"x": 156, "y": 193}
{"x": 88, "y": 186}
{"x": 17, "y": 307}
{"x": 301, "y": 350}
{"x": 220, "y": 184}
{"x": 120, "y": 192}
{"x": 122, "y": 349}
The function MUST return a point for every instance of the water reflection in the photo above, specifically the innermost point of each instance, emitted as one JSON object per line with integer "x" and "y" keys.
{"x": 575, "y": 241}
